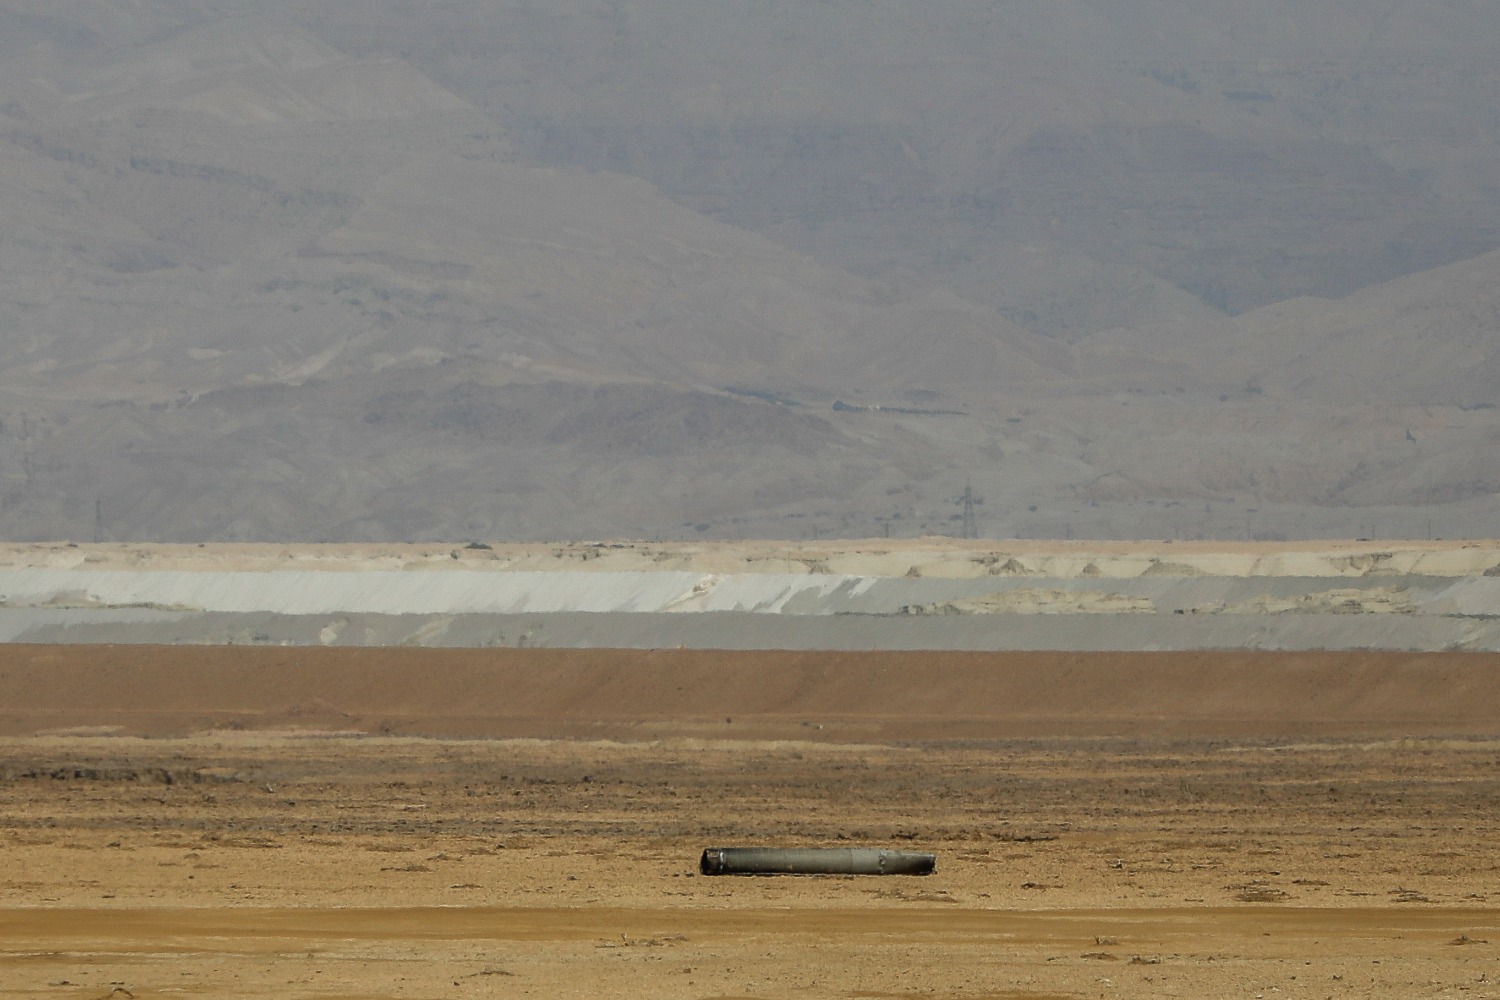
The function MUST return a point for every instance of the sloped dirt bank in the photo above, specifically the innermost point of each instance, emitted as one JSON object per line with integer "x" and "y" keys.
{"x": 650, "y": 694}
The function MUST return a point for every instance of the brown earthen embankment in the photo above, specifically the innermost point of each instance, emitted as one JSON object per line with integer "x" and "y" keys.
{"x": 647, "y": 694}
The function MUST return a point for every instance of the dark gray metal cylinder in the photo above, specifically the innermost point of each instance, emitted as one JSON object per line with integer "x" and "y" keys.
{"x": 814, "y": 861}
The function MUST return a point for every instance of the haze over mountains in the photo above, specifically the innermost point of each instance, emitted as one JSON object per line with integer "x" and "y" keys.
{"x": 556, "y": 269}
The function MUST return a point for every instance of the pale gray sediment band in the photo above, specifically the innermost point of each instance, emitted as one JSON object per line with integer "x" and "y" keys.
{"x": 748, "y": 630}
{"x": 669, "y": 608}
{"x": 464, "y": 592}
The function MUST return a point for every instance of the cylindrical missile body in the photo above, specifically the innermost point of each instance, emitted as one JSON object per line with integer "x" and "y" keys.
{"x": 814, "y": 861}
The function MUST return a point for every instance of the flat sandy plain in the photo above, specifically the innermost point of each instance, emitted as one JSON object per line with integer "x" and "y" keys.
{"x": 425, "y": 823}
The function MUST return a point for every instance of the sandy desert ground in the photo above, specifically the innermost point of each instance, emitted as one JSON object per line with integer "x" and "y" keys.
{"x": 341, "y": 824}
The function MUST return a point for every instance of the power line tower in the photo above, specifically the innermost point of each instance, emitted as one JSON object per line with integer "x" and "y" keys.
{"x": 968, "y": 500}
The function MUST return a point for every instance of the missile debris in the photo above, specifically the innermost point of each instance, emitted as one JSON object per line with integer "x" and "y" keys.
{"x": 814, "y": 861}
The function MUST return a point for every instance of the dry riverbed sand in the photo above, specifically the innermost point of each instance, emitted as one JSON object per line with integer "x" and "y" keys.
{"x": 379, "y": 824}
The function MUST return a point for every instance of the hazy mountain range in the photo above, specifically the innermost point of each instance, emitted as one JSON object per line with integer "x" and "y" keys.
{"x": 514, "y": 269}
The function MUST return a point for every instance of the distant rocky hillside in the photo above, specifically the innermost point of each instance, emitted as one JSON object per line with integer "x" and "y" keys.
{"x": 670, "y": 269}
{"x": 1246, "y": 152}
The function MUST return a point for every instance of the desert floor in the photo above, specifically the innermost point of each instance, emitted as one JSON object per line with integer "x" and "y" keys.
{"x": 421, "y": 823}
